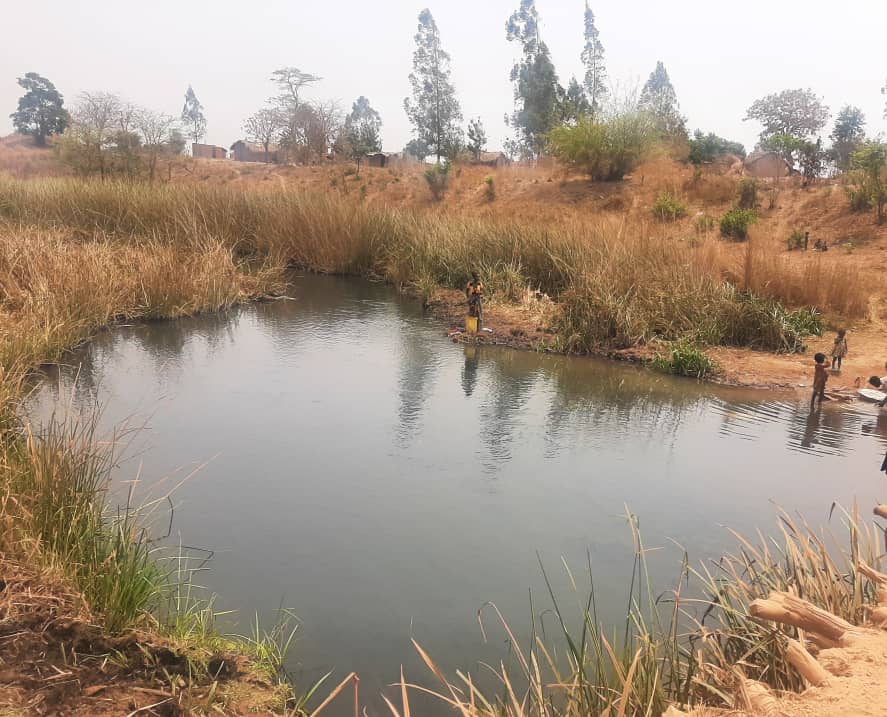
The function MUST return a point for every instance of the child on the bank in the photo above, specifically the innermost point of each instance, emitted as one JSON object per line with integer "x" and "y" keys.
{"x": 839, "y": 350}
{"x": 820, "y": 376}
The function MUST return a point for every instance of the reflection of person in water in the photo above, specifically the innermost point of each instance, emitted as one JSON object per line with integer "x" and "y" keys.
{"x": 469, "y": 370}
{"x": 810, "y": 428}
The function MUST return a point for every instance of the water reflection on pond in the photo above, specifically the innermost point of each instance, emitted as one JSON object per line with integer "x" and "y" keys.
{"x": 384, "y": 483}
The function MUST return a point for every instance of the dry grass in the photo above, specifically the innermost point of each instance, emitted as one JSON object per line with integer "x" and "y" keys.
{"x": 621, "y": 284}
{"x": 820, "y": 280}
{"x": 19, "y": 158}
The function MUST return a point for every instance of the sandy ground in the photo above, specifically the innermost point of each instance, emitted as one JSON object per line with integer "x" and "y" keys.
{"x": 855, "y": 688}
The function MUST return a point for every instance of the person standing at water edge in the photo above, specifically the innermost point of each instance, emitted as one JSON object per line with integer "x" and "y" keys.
{"x": 475, "y": 291}
{"x": 820, "y": 376}
{"x": 839, "y": 350}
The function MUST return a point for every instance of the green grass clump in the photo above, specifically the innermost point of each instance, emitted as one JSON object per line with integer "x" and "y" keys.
{"x": 684, "y": 359}
{"x": 735, "y": 223}
{"x": 668, "y": 208}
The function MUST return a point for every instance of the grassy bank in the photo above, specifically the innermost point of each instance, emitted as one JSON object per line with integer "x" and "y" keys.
{"x": 620, "y": 283}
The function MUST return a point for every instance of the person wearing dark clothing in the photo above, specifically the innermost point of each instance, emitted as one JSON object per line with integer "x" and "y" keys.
{"x": 475, "y": 291}
{"x": 806, "y": 239}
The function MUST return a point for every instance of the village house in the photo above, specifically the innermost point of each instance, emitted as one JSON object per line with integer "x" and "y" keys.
{"x": 243, "y": 151}
{"x": 208, "y": 151}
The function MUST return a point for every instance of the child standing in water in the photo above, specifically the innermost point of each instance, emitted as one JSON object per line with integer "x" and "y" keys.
{"x": 820, "y": 376}
{"x": 839, "y": 350}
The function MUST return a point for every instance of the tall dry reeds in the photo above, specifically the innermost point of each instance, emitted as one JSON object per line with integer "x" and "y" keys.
{"x": 620, "y": 285}
{"x": 819, "y": 280}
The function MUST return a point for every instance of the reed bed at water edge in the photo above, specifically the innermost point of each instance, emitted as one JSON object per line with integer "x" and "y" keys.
{"x": 691, "y": 645}
{"x": 618, "y": 282}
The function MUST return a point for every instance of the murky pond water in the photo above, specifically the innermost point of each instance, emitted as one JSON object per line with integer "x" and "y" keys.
{"x": 384, "y": 483}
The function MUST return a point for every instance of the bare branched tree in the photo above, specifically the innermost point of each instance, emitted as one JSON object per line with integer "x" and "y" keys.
{"x": 263, "y": 127}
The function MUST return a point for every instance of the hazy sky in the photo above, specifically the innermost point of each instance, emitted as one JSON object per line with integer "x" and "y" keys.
{"x": 720, "y": 57}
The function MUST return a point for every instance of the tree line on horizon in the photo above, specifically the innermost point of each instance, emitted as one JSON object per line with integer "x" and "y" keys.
{"x": 586, "y": 124}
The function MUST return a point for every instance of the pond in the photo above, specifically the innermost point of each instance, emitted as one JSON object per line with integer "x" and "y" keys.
{"x": 342, "y": 459}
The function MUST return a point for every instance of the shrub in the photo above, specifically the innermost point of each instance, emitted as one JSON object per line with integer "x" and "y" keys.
{"x": 667, "y": 207}
{"x": 605, "y": 150}
{"x": 748, "y": 193}
{"x": 735, "y": 223}
{"x": 796, "y": 240}
{"x": 490, "y": 189}
{"x": 860, "y": 199}
{"x": 708, "y": 148}
{"x": 685, "y": 359}
{"x": 704, "y": 224}
{"x": 438, "y": 178}
{"x": 349, "y": 172}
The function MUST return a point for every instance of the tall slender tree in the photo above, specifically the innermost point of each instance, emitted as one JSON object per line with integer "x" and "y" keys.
{"x": 433, "y": 109}
{"x": 593, "y": 59}
{"x": 363, "y": 130}
{"x": 660, "y": 100}
{"x": 193, "y": 117}
{"x": 41, "y": 111}
{"x": 536, "y": 88}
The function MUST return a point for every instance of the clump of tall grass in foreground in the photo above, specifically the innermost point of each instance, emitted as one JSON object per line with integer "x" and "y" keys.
{"x": 690, "y": 645}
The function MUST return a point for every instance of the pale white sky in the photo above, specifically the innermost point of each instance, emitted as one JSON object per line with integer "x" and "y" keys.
{"x": 720, "y": 56}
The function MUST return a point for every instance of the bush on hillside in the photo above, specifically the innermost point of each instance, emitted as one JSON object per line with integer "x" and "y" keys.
{"x": 735, "y": 223}
{"x": 668, "y": 208}
{"x": 748, "y": 193}
{"x": 438, "y": 179}
{"x": 604, "y": 150}
{"x": 707, "y": 148}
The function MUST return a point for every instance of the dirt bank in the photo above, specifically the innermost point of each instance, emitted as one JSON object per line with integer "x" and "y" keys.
{"x": 55, "y": 661}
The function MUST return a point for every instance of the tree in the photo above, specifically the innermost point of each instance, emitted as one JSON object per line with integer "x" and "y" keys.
{"x": 572, "y": 103}
{"x": 418, "y": 149}
{"x": 660, "y": 100}
{"x": 363, "y": 130}
{"x": 477, "y": 138}
{"x": 193, "y": 117}
{"x": 298, "y": 120}
{"x": 41, "y": 111}
{"x": 708, "y": 147}
{"x": 847, "y": 135}
{"x": 798, "y": 113}
{"x": 870, "y": 161}
{"x": 290, "y": 81}
{"x": 593, "y": 59}
{"x": 96, "y": 129}
{"x": 536, "y": 88}
{"x": 156, "y": 131}
{"x": 433, "y": 109}
{"x": 263, "y": 127}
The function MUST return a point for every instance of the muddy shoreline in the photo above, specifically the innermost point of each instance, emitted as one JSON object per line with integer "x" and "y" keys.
{"x": 524, "y": 329}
